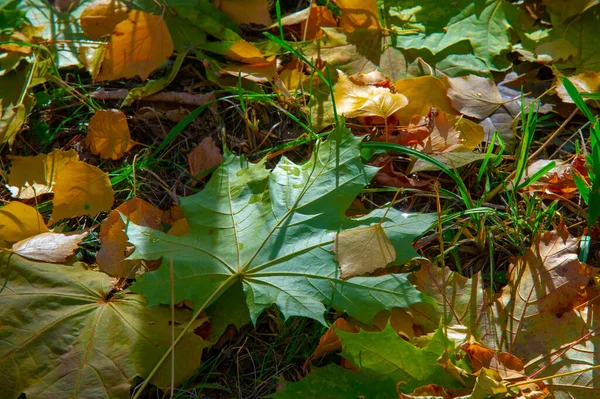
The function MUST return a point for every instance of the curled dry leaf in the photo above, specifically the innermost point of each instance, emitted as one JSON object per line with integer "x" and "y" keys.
{"x": 101, "y": 16}
{"x": 137, "y": 46}
{"x": 587, "y": 82}
{"x": 474, "y": 96}
{"x": 205, "y": 156}
{"x": 49, "y": 247}
{"x": 359, "y": 100}
{"x": 363, "y": 250}
{"x": 19, "y": 221}
{"x": 81, "y": 189}
{"x": 246, "y": 11}
{"x": 108, "y": 134}
{"x": 113, "y": 237}
{"x": 33, "y": 176}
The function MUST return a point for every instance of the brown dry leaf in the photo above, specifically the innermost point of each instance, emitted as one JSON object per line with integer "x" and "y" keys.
{"x": 101, "y": 16}
{"x": 388, "y": 176}
{"x": 363, "y": 250}
{"x": 354, "y": 100}
{"x": 81, "y": 189}
{"x": 461, "y": 300}
{"x": 137, "y": 46}
{"x": 544, "y": 286}
{"x": 108, "y": 134}
{"x": 587, "y": 82}
{"x": 114, "y": 249}
{"x": 474, "y": 96}
{"x": 359, "y": 14}
{"x": 49, "y": 247}
{"x": 205, "y": 156}
{"x": 505, "y": 364}
{"x": 36, "y": 175}
{"x": 558, "y": 182}
{"x": 246, "y": 11}
{"x": 246, "y": 52}
{"x": 423, "y": 93}
{"x": 19, "y": 221}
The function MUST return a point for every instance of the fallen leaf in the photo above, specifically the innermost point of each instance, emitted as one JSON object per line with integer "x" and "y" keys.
{"x": 81, "y": 189}
{"x": 108, "y": 134}
{"x": 400, "y": 319}
{"x": 362, "y": 250}
{"x": 36, "y": 175}
{"x": 359, "y": 14}
{"x": 246, "y": 11}
{"x": 243, "y": 51}
{"x": 101, "y": 16}
{"x": 388, "y": 176}
{"x": 423, "y": 93}
{"x": 113, "y": 236}
{"x": 330, "y": 342}
{"x": 587, "y": 82}
{"x": 205, "y": 156}
{"x": 474, "y": 96}
{"x": 19, "y": 221}
{"x": 558, "y": 182}
{"x": 319, "y": 17}
{"x": 505, "y": 364}
{"x": 137, "y": 46}
{"x": 354, "y": 100}
{"x": 49, "y": 247}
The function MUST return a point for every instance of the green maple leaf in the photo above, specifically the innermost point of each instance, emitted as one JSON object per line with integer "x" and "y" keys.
{"x": 272, "y": 230}
{"x": 63, "y": 336}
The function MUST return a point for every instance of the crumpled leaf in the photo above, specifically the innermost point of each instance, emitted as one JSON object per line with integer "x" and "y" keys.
{"x": 19, "y": 221}
{"x": 137, "y": 46}
{"x": 240, "y": 236}
{"x": 49, "y": 247}
{"x": 101, "y": 16}
{"x": 363, "y": 250}
{"x": 114, "y": 248}
{"x": 108, "y": 134}
{"x": 62, "y": 336}
{"x": 356, "y": 100}
{"x": 81, "y": 189}
{"x": 36, "y": 175}
{"x": 205, "y": 156}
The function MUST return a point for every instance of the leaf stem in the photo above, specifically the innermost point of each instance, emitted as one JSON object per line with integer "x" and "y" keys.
{"x": 214, "y": 295}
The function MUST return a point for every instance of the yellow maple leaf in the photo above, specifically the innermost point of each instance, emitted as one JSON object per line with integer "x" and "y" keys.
{"x": 19, "y": 221}
{"x": 137, "y": 46}
{"x": 81, "y": 189}
{"x": 108, "y": 134}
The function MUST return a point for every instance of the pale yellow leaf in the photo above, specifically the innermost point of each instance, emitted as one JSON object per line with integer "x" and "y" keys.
{"x": 81, "y": 189}
{"x": 353, "y": 100}
{"x": 19, "y": 221}
{"x": 36, "y": 175}
{"x": 100, "y": 17}
{"x": 108, "y": 134}
{"x": 363, "y": 250}
{"x": 137, "y": 46}
{"x": 49, "y": 247}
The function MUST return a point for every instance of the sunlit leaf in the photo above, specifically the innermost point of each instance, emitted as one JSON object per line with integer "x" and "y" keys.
{"x": 101, "y": 16}
{"x": 19, "y": 221}
{"x": 108, "y": 134}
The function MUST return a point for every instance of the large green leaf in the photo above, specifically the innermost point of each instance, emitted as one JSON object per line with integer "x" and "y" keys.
{"x": 273, "y": 230}
{"x": 62, "y": 334}
{"x": 390, "y": 359}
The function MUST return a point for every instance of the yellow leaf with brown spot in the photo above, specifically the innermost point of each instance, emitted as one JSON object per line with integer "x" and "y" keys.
{"x": 19, "y": 221}
{"x": 81, "y": 189}
{"x": 114, "y": 250}
{"x": 108, "y": 134}
{"x": 36, "y": 175}
{"x": 246, "y": 11}
{"x": 137, "y": 46}
{"x": 100, "y": 17}
{"x": 49, "y": 247}
{"x": 356, "y": 100}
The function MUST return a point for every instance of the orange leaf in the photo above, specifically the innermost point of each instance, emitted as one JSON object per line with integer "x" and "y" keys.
{"x": 137, "y": 46}
{"x": 19, "y": 221}
{"x": 108, "y": 134}
{"x": 204, "y": 156}
{"x": 81, "y": 189}
{"x": 112, "y": 254}
{"x": 100, "y": 17}
{"x": 243, "y": 51}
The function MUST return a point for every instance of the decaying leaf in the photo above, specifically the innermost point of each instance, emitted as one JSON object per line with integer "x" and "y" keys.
{"x": 19, "y": 221}
{"x": 81, "y": 189}
{"x": 64, "y": 334}
{"x": 137, "y": 46}
{"x": 49, "y": 247}
{"x": 113, "y": 237}
{"x": 358, "y": 100}
{"x": 101, "y": 16}
{"x": 205, "y": 156}
{"x": 108, "y": 134}
{"x": 36, "y": 175}
{"x": 363, "y": 250}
